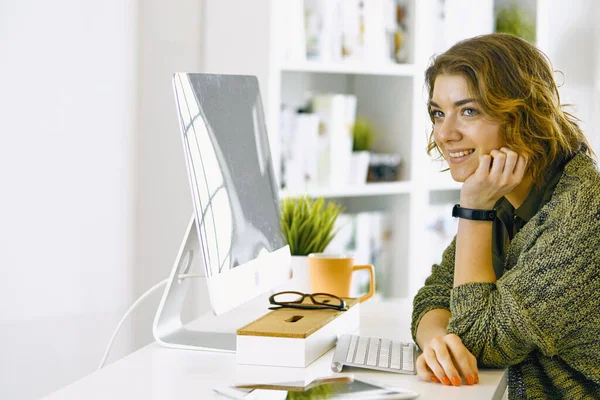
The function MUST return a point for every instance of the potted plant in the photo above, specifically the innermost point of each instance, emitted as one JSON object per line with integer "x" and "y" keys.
{"x": 308, "y": 227}
{"x": 363, "y": 135}
{"x": 515, "y": 20}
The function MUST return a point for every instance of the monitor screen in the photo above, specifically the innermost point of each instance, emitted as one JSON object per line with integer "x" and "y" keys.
{"x": 232, "y": 182}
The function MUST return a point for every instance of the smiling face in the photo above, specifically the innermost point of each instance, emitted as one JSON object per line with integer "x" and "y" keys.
{"x": 461, "y": 129}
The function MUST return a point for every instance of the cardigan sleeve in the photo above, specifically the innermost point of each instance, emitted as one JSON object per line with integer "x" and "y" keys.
{"x": 552, "y": 284}
{"x": 435, "y": 294}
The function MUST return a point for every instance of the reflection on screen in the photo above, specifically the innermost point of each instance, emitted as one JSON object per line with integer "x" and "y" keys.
{"x": 229, "y": 164}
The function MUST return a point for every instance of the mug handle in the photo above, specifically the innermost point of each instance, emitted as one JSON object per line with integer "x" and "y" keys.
{"x": 372, "y": 280}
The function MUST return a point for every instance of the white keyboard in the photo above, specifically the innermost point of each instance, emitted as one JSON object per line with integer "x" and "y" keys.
{"x": 374, "y": 353}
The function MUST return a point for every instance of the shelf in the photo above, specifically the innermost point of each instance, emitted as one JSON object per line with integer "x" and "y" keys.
{"x": 350, "y": 68}
{"x": 369, "y": 189}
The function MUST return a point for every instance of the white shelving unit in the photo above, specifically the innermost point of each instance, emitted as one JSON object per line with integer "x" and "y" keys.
{"x": 390, "y": 95}
{"x": 367, "y": 190}
{"x": 351, "y": 68}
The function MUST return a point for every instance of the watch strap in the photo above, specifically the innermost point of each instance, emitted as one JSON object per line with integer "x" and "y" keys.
{"x": 473, "y": 214}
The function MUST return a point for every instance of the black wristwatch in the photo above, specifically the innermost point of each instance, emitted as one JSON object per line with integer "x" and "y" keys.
{"x": 473, "y": 214}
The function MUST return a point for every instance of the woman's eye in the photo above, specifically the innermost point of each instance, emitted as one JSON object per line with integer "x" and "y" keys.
{"x": 469, "y": 112}
{"x": 435, "y": 114}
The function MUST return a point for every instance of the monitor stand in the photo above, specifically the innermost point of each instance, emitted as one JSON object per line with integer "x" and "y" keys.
{"x": 168, "y": 327}
{"x": 241, "y": 308}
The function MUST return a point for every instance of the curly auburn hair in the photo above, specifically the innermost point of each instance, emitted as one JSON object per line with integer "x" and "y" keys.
{"x": 514, "y": 84}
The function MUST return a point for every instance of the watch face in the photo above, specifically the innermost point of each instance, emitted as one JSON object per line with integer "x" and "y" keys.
{"x": 455, "y": 210}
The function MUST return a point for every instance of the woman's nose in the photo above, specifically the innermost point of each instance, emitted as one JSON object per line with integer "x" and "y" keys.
{"x": 448, "y": 130}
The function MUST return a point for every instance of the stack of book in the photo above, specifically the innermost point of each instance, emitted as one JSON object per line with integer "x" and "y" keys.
{"x": 317, "y": 146}
{"x": 336, "y": 30}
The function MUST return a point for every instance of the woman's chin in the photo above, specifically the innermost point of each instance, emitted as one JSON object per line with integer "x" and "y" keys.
{"x": 458, "y": 176}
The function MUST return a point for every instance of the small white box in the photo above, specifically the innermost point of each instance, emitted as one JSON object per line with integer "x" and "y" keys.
{"x": 294, "y": 338}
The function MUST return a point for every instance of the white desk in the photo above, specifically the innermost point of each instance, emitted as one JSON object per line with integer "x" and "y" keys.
{"x": 154, "y": 372}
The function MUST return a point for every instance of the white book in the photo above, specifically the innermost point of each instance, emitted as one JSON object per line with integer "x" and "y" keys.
{"x": 307, "y": 135}
{"x": 350, "y": 115}
{"x": 324, "y": 29}
{"x": 352, "y": 34}
{"x": 289, "y": 25}
{"x": 291, "y": 170}
{"x": 300, "y": 159}
{"x": 375, "y": 41}
{"x": 350, "y": 119}
{"x": 336, "y": 113}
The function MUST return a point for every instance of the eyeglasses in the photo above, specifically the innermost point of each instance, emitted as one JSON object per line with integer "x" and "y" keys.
{"x": 320, "y": 301}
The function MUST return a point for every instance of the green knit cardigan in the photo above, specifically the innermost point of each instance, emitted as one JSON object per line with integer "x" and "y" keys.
{"x": 541, "y": 319}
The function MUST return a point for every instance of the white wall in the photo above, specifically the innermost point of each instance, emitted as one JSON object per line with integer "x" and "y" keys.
{"x": 573, "y": 45}
{"x": 91, "y": 156}
{"x": 67, "y": 129}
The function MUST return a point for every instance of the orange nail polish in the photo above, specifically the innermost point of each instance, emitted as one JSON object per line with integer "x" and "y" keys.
{"x": 435, "y": 379}
{"x": 476, "y": 378}
{"x": 456, "y": 381}
{"x": 470, "y": 380}
{"x": 446, "y": 381}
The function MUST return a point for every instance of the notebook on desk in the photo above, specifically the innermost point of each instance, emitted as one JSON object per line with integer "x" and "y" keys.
{"x": 374, "y": 353}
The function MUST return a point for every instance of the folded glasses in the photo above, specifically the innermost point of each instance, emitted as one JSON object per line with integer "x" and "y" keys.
{"x": 320, "y": 301}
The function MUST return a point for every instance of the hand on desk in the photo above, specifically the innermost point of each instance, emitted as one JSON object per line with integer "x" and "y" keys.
{"x": 445, "y": 359}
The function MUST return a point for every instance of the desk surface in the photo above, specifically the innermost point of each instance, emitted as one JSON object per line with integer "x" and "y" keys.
{"x": 154, "y": 372}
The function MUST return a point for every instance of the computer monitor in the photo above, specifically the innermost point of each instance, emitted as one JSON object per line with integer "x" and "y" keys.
{"x": 234, "y": 192}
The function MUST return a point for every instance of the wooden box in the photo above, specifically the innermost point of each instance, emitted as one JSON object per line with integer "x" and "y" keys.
{"x": 294, "y": 338}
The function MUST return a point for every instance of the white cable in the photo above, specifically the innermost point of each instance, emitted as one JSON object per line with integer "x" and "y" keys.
{"x": 133, "y": 306}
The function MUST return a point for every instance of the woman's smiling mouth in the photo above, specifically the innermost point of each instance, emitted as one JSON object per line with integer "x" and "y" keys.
{"x": 460, "y": 155}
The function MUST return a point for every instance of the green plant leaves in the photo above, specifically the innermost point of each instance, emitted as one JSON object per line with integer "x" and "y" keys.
{"x": 307, "y": 225}
{"x": 363, "y": 135}
{"x": 515, "y": 20}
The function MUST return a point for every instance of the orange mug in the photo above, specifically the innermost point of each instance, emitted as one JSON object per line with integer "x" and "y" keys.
{"x": 332, "y": 274}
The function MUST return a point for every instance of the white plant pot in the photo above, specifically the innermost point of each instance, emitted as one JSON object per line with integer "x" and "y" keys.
{"x": 359, "y": 167}
{"x": 300, "y": 281}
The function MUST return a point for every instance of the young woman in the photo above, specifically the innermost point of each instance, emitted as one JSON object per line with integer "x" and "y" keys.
{"x": 519, "y": 286}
